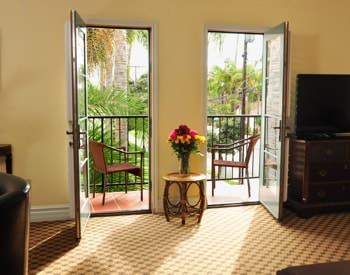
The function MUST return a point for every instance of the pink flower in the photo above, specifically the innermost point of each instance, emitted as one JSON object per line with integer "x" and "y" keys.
{"x": 173, "y": 135}
{"x": 193, "y": 133}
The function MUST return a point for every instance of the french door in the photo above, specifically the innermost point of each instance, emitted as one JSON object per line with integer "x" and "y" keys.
{"x": 275, "y": 62}
{"x": 79, "y": 123}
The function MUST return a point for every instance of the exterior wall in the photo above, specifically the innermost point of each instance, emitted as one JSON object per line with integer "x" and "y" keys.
{"x": 33, "y": 70}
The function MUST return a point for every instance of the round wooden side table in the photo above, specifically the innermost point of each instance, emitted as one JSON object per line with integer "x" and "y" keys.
{"x": 184, "y": 208}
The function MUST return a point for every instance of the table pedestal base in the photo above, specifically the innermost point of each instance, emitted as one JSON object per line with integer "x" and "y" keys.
{"x": 184, "y": 208}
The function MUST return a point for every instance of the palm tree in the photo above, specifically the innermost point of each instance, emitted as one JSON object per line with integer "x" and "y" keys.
{"x": 109, "y": 52}
{"x": 223, "y": 86}
{"x": 99, "y": 52}
{"x": 121, "y": 60}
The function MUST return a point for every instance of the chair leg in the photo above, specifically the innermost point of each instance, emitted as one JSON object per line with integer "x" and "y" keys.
{"x": 126, "y": 182}
{"x": 142, "y": 185}
{"x": 212, "y": 180}
{"x": 104, "y": 188}
{"x": 247, "y": 173}
{"x": 94, "y": 181}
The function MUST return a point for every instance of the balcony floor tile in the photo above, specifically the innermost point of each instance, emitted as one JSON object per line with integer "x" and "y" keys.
{"x": 119, "y": 201}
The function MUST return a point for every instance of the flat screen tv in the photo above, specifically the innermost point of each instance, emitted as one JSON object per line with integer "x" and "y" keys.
{"x": 323, "y": 104}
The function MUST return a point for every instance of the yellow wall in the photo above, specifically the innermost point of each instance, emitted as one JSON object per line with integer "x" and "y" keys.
{"x": 33, "y": 71}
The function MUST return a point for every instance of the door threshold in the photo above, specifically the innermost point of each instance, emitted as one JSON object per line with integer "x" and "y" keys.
{"x": 233, "y": 204}
{"x": 120, "y": 213}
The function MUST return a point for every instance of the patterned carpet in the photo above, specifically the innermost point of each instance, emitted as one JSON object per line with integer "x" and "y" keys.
{"x": 236, "y": 240}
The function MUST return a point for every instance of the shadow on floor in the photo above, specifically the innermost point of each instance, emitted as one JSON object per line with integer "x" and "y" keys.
{"x": 54, "y": 241}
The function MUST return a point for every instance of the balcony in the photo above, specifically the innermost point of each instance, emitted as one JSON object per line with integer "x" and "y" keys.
{"x": 133, "y": 132}
{"x": 229, "y": 188}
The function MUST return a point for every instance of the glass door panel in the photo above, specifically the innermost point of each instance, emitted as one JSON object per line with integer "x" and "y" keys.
{"x": 273, "y": 118}
{"x": 80, "y": 120}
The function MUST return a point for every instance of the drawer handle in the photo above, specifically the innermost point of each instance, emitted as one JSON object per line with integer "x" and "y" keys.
{"x": 323, "y": 172}
{"x": 321, "y": 194}
{"x": 328, "y": 151}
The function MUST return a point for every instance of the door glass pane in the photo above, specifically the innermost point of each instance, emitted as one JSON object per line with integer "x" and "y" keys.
{"x": 83, "y": 179}
{"x": 81, "y": 70}
{"x": 82, "y": 121}
{"x": 272, "y": 132}
{"x": 84, "y": 203}
{"x": 274, "y": 93}
{"x": 273, "y": 76}
{"x": 83, "y": 141}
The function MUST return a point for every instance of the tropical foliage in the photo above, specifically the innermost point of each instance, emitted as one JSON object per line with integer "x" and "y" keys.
{"x": 225, "y": 89}
{"x": 111, "y": 101}
{"x": 109, "y": 52}
{"x": 232, "y": 90}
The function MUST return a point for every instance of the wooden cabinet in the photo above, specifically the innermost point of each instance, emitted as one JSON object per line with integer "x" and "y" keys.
{"x": 319, "y": 175}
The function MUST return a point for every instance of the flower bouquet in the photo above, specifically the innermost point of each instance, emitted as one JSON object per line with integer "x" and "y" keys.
{"x": 185, "y": 141}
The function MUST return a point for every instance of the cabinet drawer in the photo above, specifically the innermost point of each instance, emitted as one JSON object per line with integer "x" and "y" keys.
{"x": 329, "y": 192}
{"x": 328, "y": 152}
{"x": 329, "y": 172}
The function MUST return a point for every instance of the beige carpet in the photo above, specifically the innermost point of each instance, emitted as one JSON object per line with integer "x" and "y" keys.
{"x": 236, "y": 240}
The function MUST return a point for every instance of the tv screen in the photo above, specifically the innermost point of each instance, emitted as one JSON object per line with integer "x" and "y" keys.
{"x": 323, "y": 104}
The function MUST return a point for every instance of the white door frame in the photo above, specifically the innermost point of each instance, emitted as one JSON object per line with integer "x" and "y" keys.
{"x": 155, "y": 202}
{"x": 237, "y": 29}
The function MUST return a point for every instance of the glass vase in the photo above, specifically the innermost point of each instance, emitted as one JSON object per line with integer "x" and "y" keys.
{"x": 185, "y": 164}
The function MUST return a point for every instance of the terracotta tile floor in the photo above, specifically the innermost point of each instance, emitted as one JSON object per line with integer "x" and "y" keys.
{"x": 119, "y": 201}
{"x": 224, "y": 194}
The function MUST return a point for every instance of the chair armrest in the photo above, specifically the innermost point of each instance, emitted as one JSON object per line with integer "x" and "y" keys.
{"x": 223, "y": 147}
{"x": 12, "y": 190}
{"x": 122, "y": 149}
{"x": 135, "y": 152}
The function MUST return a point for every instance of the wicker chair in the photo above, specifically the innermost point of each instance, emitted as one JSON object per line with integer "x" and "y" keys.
{"x": 100, "y": 165}
{"x": 248, "y": 143}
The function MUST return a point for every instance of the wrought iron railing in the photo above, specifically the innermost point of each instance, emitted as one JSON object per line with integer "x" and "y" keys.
{"x": 227, "y": 129}
{"x": 131, "y": 131}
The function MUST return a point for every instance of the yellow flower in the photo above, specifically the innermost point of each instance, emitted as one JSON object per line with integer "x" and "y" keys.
{"x": 180, "y": 139}
{"x": 201, "y": 139}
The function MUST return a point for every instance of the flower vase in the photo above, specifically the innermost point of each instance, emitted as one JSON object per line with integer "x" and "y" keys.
{"x": 185, "y": 164}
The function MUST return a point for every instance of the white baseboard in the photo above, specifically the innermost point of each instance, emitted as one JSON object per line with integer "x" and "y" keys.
{"x": 50, "y": 213}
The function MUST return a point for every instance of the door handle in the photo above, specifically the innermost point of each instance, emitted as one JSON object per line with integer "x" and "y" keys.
{"x": 279, "y": 127}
